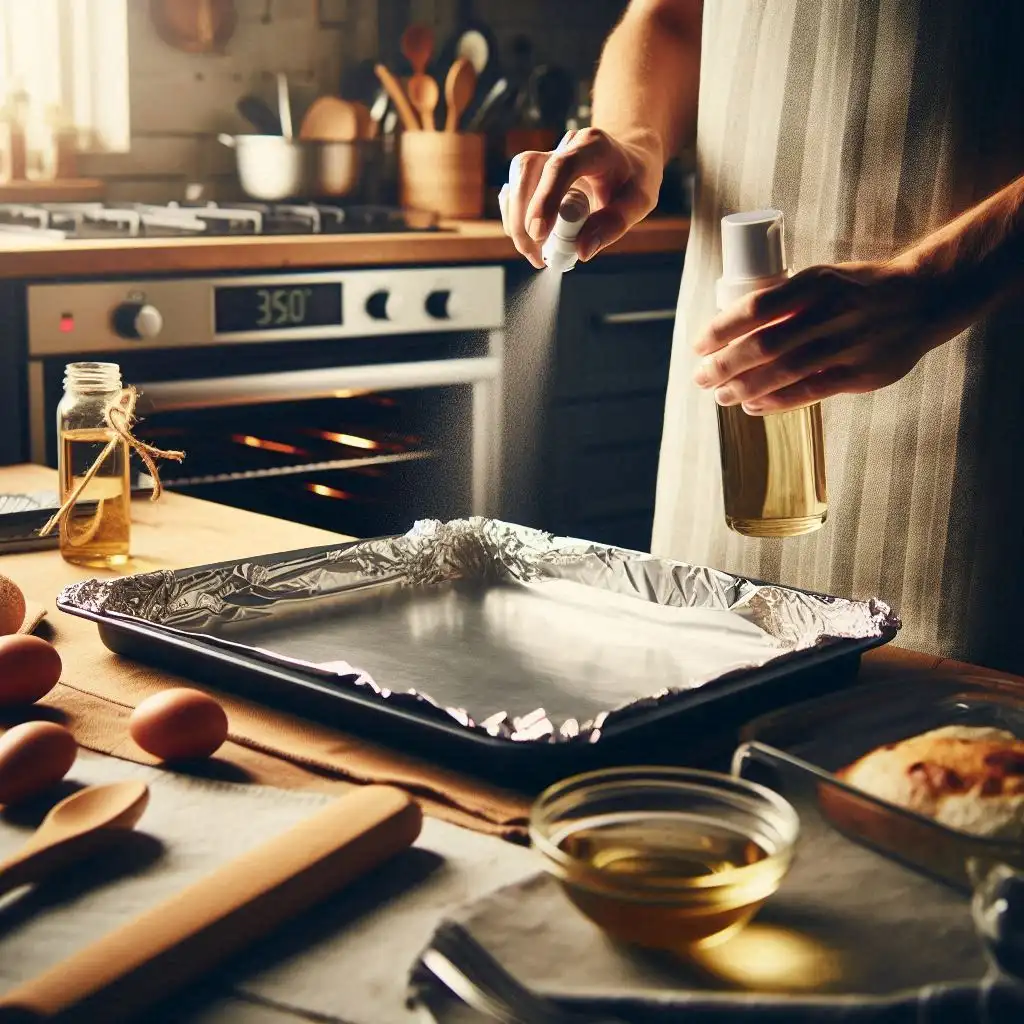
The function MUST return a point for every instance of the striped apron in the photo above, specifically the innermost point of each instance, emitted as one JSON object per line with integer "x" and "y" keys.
{"x": 869, "y": 123}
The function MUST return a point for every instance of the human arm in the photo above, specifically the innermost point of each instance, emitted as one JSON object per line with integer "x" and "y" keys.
{"x": 856, "y": 327}
{"x": 644, "y": 107}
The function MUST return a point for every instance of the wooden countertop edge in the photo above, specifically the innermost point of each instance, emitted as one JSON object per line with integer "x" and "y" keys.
{"x": 473, "y": 242}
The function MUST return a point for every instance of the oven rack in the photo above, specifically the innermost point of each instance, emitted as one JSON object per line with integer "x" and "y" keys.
{"x": 306, "y": 467}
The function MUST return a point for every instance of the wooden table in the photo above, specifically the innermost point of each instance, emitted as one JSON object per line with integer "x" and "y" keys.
{"x": 98, "y": 690}
{"x": 173, "y": 532}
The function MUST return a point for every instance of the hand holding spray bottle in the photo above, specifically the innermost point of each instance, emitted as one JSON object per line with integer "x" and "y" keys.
{"x": 559, "y": 248}
{"x": 773, "y": 467}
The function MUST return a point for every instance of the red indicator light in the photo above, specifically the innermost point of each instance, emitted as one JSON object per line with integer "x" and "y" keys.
{"x": 67, "y": 323}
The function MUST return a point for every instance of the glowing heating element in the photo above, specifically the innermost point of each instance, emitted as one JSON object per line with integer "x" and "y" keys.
{"x": 351, "y": 440}
{"x": 328, "y": 492}
{"x": 270, "y": 446}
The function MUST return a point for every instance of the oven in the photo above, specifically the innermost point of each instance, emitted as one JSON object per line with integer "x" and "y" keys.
{"x": 353, "y": 400}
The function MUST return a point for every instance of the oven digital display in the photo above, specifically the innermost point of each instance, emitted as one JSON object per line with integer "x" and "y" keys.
{"x": 265, "y": 308}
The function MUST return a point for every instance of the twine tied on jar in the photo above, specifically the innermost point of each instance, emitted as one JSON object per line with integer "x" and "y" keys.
{"x": 120, "y": 417}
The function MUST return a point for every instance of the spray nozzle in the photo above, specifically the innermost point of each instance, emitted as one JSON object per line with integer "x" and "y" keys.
{"x": 753, "y": 254}
{"x": 559, "y": 248}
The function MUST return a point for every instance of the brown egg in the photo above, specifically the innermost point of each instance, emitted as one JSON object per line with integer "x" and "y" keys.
{"x": 29, "y": 669}
{"x": 12, "y": 606}
{"x": 33, "y": 757}
{"x": 179, "y": 725}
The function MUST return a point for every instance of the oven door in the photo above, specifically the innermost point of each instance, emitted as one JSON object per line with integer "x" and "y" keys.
{"x": 363, "y": 450}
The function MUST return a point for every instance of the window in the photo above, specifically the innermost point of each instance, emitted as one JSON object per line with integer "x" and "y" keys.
{"x": 70, "y": 59}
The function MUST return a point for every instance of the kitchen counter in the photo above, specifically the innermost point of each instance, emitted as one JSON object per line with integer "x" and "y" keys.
{"x": 465, "y": 242}
{"x": 98, "y": 690}
{"x": 297, "y": 977}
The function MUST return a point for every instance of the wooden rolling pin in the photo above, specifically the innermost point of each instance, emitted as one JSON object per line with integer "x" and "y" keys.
{"x": 147, "y": 959}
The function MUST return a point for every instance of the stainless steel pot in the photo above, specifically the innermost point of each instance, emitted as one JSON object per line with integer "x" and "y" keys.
{"x": 271, "y": 167}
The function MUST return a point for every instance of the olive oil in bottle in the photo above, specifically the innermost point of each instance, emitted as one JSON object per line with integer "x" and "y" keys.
{"x": 773, "y": 467}
{"x": 97, "y": 530}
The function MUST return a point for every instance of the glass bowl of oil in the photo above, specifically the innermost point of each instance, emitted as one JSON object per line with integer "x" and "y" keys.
{"x": 667, "y": 858}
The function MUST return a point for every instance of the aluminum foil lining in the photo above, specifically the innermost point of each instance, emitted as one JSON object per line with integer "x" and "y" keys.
{"x": 693, "y": 624}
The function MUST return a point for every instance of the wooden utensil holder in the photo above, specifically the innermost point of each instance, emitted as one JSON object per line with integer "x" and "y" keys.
{"x": 442, "y": 173}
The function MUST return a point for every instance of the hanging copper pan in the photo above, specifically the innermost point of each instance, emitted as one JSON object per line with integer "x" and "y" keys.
{"x": 195, "y": 26}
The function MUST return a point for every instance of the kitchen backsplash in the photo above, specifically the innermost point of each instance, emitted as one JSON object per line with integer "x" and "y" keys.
{"x": 180, "y": 101}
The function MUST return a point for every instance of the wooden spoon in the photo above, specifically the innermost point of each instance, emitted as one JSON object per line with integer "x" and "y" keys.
{"x": 424, "y": 94}
{"x": 410, "y": 122}
{"x": 417, "y": 47}
{"x": 459, "y": 87}
{"x": 76, "y": 828}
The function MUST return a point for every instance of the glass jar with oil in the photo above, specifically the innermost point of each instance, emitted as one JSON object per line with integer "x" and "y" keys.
{"x": 773, "y": 467}
{"x": 97, "y": 529}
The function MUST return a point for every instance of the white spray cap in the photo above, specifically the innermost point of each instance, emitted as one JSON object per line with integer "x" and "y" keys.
{"x": 559, "y": 248}
{"x": 753, "y": 254}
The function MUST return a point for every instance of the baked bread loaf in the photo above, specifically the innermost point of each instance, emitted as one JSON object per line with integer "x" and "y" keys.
{"x": 964, "y": 777}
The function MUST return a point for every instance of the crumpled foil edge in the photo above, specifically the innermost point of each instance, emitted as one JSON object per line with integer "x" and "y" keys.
{"x": 186, "y": 601}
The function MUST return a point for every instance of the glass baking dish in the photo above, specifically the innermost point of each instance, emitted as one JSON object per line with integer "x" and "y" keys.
{"x": 814, "y": 739}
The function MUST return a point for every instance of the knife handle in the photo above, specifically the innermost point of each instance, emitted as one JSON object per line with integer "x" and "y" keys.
{"x": 187, "y": 935}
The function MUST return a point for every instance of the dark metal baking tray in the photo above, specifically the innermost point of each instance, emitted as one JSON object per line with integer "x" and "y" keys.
{"x": 22, "y": 516}
{"x": 493, "y": 647}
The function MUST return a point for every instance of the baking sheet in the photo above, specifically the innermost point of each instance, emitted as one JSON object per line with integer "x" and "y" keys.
{"x": 499, "y": 627}
{"x": 22, "y": 516}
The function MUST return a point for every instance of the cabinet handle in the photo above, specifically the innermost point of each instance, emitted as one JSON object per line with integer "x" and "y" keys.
{"x": 640, "y": 316}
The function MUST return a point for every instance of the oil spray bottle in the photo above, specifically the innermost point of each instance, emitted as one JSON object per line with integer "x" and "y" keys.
{"x": 773, "y": 467}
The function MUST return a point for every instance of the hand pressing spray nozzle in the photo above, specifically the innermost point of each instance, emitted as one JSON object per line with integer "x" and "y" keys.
{"x": 559, "y": 248}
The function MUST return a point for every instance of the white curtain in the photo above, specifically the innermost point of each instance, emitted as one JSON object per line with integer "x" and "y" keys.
{"x": 70, "y": 57}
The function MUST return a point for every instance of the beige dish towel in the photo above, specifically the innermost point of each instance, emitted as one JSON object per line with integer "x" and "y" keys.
{"x": 34, "y": 614}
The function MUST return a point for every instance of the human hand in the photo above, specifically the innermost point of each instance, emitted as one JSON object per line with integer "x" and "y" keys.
{"x": 621, "y": 177}
{"x": 848, "y": 328}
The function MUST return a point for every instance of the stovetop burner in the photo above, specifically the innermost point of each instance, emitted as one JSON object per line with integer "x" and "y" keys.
{"x": 59, "y": 221}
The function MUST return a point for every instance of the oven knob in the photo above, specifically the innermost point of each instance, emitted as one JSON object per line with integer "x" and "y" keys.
{"x": 440, "y": 305}
{"x": 382, "y": 305}
{"x": 137, "y": 320}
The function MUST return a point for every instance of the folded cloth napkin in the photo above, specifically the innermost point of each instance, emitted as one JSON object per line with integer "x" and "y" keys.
{"x": 999, "y": 1001}
{"x": 850, "y": 936}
